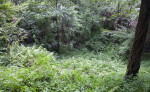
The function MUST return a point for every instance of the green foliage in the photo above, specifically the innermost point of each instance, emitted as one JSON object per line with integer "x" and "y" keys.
{"x": 10, "y": 33}
{"x": 99, "y": 26}
{"x": 120, "y": 44}
{"x": 3, "y": 41}
{"x": 115, "y": 43}
{"x": 22, "y": 56}
{"x": 47, "y": 24}
{"x": 75, "y": 22}
{"x": 72, "y": 71}
{"x": 38, "y": 61}
{"x": 98, "y": 42}
{"x": 6, "y": 13}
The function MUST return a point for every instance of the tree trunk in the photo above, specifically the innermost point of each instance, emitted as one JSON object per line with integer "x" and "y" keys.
{"x": 147, "y": 42}
{"x": 57, "y": 36}
{"x": 139, "y": 40}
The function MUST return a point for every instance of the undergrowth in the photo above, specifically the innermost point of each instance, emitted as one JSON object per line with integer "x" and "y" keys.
{"x": 33, "y": 69}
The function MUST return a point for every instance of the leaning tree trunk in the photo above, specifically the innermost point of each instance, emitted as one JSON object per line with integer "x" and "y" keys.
{"x": 139, "y": 40}
{"x": 147, "y": 42}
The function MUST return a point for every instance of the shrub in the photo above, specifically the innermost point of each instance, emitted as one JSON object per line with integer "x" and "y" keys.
{"x": 113, "y": 42}
{"x": 41, "y": 22}
{"x": 6, "y": 13}
{"x": 22, "y": 56}
{"x": 10, "y": 33}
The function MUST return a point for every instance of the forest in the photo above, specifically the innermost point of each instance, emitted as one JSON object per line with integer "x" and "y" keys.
{"x": 74, "y": 45}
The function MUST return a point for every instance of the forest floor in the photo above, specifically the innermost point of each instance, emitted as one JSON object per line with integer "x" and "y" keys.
{"x": 74, "y": 71}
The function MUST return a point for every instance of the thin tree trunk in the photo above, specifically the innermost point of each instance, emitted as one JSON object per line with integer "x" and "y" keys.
{"x": 58, "y": 44}
{"x": 139, "y": 40}
{"x": 62, "y": 34}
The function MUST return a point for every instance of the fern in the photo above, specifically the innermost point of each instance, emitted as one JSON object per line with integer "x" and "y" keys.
{"x": 22, "y": 56}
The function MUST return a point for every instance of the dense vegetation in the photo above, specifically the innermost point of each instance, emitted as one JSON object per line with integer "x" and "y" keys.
{"x": 69, "y": 45}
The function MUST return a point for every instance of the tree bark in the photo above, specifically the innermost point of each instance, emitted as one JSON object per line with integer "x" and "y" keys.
{"x": 147, "y": 42}
{"x": 57, "y": 36}
{"x": 139, "y": 39}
